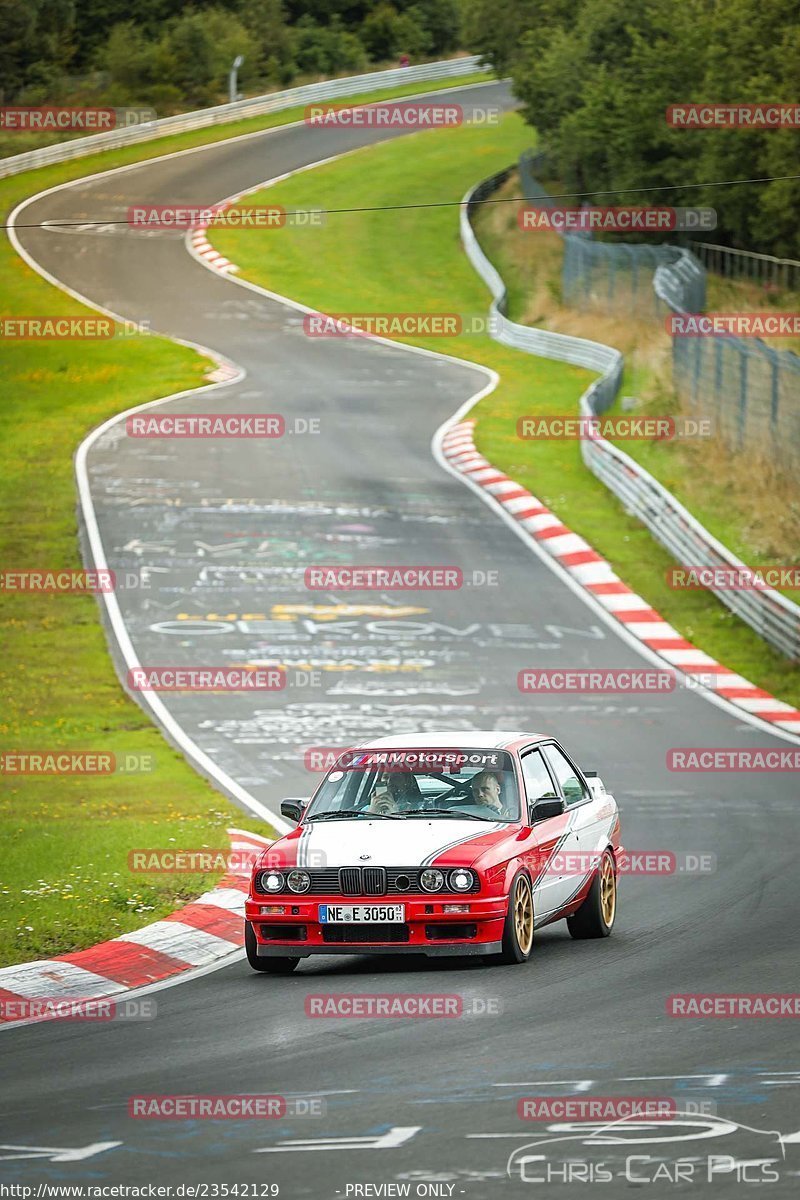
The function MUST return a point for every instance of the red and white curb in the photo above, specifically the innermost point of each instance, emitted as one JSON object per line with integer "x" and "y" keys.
{"x": 203, "y": 249}
{"x": 595, "y": 575}
{"x": 196, "y": 935}
{"x": 224, "y": 373}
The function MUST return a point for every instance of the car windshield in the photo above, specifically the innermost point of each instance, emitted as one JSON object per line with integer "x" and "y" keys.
{"x": 418, "y": 785}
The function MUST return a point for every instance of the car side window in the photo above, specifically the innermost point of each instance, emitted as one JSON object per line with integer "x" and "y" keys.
{"x": 572, "y": 787}
{"x": 538, "y": 782}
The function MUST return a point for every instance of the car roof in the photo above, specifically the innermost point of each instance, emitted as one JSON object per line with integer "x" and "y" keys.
{"x": 485, "y": 739}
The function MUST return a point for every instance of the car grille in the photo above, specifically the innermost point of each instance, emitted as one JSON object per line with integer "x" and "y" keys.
{"x": 371, "y": 881}
{"x": 357, "y": 881}
{"x": 366, "y": 881}
{"x": 374, "y": 881}
{"x": 349, "y": 881}
{"x": 365, "y": 933}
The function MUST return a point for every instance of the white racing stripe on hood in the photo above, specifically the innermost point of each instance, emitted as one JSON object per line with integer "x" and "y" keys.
{"x": 406, "y": 843}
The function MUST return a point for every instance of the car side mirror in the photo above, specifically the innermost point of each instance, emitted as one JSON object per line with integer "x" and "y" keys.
{"x": 292, "y": 808}
{"x": 542, "y": 810}
{"x": 596, "y": 785}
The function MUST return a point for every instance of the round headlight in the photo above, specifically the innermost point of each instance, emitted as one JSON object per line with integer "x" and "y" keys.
{"x": 271, "y": 881}
{"x": 298, "y": 881}
{"x": 461, "y": 880}
{"x": 432, "y": 880}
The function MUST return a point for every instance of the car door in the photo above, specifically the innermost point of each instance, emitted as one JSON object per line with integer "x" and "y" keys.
{"x": 551, "y": 838}
{"x": 581, "y": 807}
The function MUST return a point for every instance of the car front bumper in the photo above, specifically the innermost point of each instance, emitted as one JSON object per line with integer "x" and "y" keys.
{"x": 440, "y": 949}
{"x": 427, "y": 929}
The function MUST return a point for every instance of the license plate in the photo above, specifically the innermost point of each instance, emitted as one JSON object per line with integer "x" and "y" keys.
{"x": 354, "y": 914}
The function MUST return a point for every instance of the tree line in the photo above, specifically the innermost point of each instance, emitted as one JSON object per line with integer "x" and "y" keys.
{"x": 172, "y": 56}
{"x": 595, "y": 78}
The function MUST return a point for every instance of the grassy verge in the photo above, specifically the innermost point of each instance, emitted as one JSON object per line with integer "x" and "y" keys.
{"x": 412, "y": 260}
{"x": 748, "y": 505}
{"x": 744, "y": 295}
{"x": 64, "y": 879}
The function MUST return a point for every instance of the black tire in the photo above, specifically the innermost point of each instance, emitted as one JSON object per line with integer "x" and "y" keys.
{"x": 595, "y": 917}
{"x": 268, "y": 966}
{"x": 518, "y": 929}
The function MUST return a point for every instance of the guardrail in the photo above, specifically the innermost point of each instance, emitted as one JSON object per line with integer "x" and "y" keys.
{"x": 774, "y": 617}
{"x": 747, "y": 387}
{"x": 732, "y": 263}
{"x": 769, "y": 613}
{"x": 578, "y": 351}
{"x": 607, "y": 275}
{"x": 255, "y": 106}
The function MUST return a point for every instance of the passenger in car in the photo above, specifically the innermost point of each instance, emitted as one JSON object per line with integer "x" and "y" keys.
{"x": 396, "y": 790}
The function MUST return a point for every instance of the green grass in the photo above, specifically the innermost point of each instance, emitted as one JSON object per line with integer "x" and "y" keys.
{"x": 412, "y": 260}
{"x": 63, "y": 877}
{"x": 64, "y": 880}
{"x": 749, "y": 507}
{"x": 742, "y": 295}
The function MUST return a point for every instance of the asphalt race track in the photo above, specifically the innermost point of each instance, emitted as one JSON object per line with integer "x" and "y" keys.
{"x": 224, "y": 530}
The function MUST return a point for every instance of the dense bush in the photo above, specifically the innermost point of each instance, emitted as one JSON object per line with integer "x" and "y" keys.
{"x": 165, "y": 54}
{"x": 595, "y": 78}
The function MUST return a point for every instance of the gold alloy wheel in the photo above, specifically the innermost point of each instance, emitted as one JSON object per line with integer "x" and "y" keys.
{"x": 523, "y": 915}
{"x": 608, "y": 891}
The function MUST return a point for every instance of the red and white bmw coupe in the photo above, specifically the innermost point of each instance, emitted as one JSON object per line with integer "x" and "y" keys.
{"x": 443, "y": 843}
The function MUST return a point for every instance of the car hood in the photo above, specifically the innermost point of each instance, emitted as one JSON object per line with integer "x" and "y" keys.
{"x": 406, "y": 843}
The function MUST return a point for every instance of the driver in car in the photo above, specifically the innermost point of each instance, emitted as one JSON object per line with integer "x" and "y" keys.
{"x": 487, "y": 790}
{"x": 396, "y": 791}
